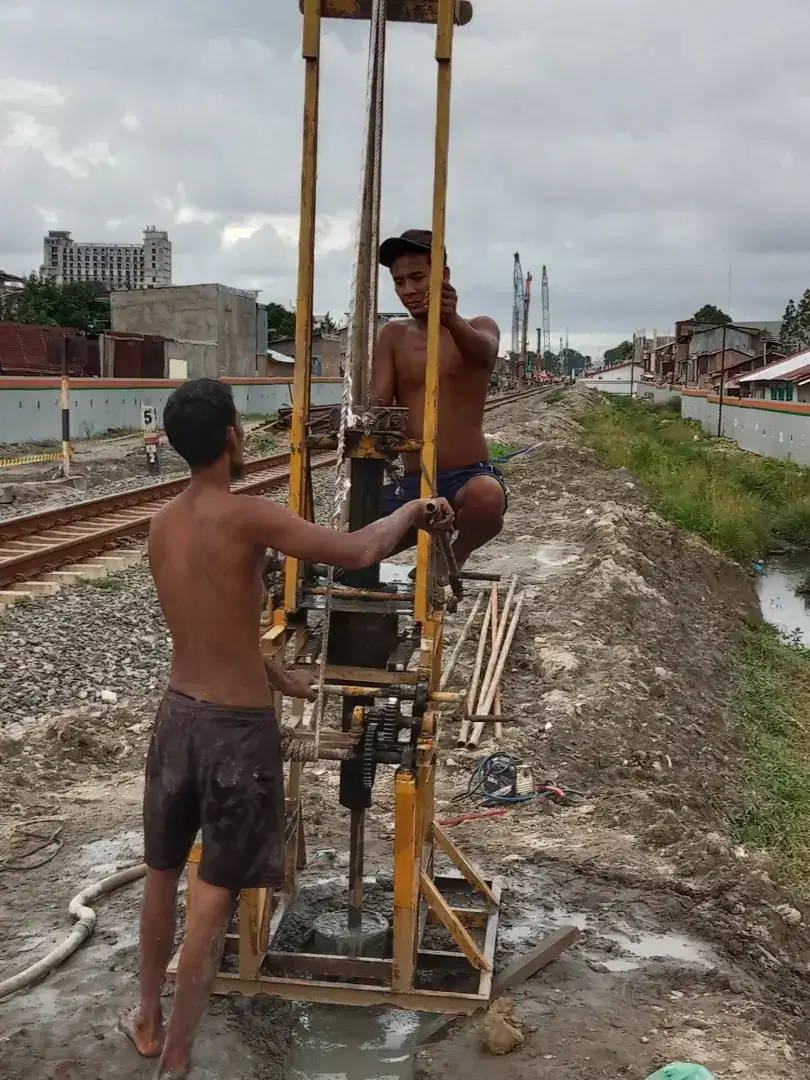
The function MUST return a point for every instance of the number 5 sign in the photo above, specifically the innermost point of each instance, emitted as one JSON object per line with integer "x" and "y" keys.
{"x": 148, "y": 418}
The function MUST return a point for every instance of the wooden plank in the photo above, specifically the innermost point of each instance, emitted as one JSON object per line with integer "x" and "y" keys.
{"x": 527, "y": 965}
{"x": 324, "y": 993}
{"x": 302, "y": 965}
{"x": 452, "y": 923}
{"x": 250, "y": 918}
{"x": 421, "y": 11}
{"x": 472, "y": 918}
{"x": 490, "y": 940}
{"x": 462, "y": 862}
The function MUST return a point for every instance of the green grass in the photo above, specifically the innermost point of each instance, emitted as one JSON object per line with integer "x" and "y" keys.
{"x": 774, "y": 679}
{"x": 738, "y": 502}
{"x": 499, "y": 449}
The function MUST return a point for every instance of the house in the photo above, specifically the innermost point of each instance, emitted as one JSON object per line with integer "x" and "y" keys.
{"x": 326, "y": 354}
{"x": 619, "y": 379}
{"x": 709, "y": 352}
{"x": 279, "y": 365}
{"x": 788, "y": 379}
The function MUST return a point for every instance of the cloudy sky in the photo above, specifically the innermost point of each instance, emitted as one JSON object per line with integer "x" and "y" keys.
{"x": 638, "y": 148}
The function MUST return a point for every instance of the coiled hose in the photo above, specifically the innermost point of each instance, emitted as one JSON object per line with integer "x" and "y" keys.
{"x": 79, "y": 934}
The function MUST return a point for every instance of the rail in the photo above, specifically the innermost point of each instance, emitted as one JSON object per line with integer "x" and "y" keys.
{"x": 40, "y": 543}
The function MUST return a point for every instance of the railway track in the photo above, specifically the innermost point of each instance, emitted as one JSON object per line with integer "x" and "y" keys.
{"x": 36, "y": 544}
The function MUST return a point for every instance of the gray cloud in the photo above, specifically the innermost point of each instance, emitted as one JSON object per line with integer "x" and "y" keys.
{"x": 637, "y": 149}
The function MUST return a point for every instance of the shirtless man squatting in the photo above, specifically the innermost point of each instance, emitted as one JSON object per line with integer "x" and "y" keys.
{"x": 471, "y": 484}
{"x": 215, "y": 759}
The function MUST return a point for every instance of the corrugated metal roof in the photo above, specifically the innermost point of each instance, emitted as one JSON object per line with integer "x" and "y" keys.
{"x": 781, "y": 370}
{"x": 24, "y": 347}
{"x": 280, "y": 358}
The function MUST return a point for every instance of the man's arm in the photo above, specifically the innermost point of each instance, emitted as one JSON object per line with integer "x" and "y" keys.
{"x": 383, "y": 381}
{"x": 268, "y": 524}
{"x": 478, "y": 340}
{"x": 297, "y": 684}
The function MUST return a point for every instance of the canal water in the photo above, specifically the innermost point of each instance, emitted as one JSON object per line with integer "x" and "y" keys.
{"x": 781, "y": 605}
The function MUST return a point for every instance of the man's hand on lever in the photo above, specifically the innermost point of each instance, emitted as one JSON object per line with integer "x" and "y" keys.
{"x": 435, "y": 515}
{"x": 294, "y": 684}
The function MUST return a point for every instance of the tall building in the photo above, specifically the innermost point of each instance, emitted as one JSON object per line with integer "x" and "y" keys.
{"x": 116, "y": 266}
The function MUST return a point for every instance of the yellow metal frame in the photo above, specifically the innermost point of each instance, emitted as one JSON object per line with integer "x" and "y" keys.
{"x": 419, "y": 893}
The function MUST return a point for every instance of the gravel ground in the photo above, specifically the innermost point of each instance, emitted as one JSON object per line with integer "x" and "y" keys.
{"x": 95, "y": 638}
{"x": 127, "y": 459}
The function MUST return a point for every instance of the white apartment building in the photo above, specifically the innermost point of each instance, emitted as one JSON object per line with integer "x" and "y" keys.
{"x": 116, "y": 266}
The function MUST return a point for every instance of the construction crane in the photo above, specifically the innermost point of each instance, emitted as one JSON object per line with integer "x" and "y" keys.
{"x": 546, "y": 318}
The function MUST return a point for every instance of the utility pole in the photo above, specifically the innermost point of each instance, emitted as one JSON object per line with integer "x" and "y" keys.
{"x": 722, "y": 384}
{"x": 633, "y": 363}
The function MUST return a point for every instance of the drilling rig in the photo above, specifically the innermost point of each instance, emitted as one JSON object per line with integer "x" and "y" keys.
{"x": 546, "y": 318}
{"x": 521, "y": 300}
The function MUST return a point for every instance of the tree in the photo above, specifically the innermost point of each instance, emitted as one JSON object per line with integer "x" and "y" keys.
{"x": 280, "y": 322}
{"x": 571, "y": 361}
{"x": 44, "y": 302}
{"x": 790, "y": 327}
{"x": 551, "y": 362}
{"x": 620, "y": 354}
{"x": 328, "y": 325}
{"x": 709, "y": 315}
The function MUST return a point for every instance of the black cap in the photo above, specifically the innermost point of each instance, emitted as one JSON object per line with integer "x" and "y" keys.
{"x": 412, "y": 242}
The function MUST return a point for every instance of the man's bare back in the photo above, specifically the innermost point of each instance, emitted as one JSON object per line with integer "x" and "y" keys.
{"x": 208, "y": 577}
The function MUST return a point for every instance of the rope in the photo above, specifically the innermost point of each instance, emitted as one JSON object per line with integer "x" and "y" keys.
{"x": 372, "y": 158}
{"x": 293, "y": 749}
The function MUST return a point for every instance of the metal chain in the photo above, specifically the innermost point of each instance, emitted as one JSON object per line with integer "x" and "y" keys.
{"x": 374, "y": 115}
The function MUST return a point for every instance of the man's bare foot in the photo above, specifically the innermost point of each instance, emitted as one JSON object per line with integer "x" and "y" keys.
{"x": 146, "y": 1038}
{"x": 171, "y": 1074}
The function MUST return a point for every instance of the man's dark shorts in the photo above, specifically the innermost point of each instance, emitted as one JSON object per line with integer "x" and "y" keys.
{"x": 218, "y": 769}
{"x": 448, "y": 483}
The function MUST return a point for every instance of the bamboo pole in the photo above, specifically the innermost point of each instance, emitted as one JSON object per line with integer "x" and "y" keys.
{"x": 451, "y": 663}
{"x": 486, "y": 704}
{"x": 497, "y": 704}
{"x": 496, "y": 648}
{"x": 479, "y": 660}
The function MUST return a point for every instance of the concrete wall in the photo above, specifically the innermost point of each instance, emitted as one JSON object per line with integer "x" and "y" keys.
{"x": 236, "y": 337}
{"x": 200, "y": 313}
{"x": 186, "y": 312}
{"x": 773, "y": 429}
{"x": 201, "y": 357}
{"x": 30, "y": 409}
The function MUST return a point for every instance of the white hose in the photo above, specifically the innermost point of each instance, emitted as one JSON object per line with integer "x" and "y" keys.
{"x": 78, "y": 935}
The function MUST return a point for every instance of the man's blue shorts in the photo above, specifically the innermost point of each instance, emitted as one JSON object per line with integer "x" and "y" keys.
{"x": 449, "y": 484}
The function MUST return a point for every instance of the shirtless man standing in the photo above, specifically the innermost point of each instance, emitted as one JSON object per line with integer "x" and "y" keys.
{"x": 474, "y": 488}
{"x": 215, "y": 758}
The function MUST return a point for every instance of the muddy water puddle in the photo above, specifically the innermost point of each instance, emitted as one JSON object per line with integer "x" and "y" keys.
{"x": 781, "y": 604}
{"x": 354, "y": 1044}
{"x": 610, "y": 941}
